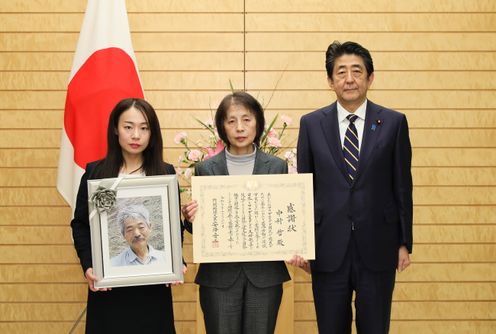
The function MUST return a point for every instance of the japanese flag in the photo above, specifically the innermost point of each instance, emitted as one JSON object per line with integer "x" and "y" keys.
{"x": 103, "y": 72}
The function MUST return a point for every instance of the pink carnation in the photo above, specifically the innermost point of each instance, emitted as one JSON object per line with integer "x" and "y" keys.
{"x": 194, "y": 155}
{"x": 272, "y": 133}
{"x": 290, "y": 157}
{"x": 218, "y": 148}
{"x": 187, "y": 173}
{"x": 274, "y": 142}
{"x": 180, "y": 137}
{"x": 286, "y": 120}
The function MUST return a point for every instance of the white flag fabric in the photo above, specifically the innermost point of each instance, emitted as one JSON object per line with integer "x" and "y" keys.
{"x": 104, "y": 71}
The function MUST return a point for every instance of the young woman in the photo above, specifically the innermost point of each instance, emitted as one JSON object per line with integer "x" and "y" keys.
{"x": 240, "y": 297}
{"x": 134, "y": 147}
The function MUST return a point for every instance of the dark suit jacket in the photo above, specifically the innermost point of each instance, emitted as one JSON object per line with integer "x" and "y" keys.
{"x": 260, "y": 274}
{"x": 378, "y": 203}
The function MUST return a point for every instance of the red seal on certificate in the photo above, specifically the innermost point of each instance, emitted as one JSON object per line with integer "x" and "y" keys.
{"x": 215, "y": 244}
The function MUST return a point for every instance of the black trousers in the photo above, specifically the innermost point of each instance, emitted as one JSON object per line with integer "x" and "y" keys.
{"x": 332, "y": 293}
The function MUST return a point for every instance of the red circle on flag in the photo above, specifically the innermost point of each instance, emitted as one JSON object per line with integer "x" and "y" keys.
{"x": 107, "y": 76}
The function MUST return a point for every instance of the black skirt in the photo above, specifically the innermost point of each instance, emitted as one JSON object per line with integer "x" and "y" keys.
{"x": 137, "y": 309}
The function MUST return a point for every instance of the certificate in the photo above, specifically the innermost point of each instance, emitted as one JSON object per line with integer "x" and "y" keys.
{"x": 253, "y": 217}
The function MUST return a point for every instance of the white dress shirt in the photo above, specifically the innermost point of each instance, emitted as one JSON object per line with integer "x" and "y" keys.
{"x": 359, "y": 122}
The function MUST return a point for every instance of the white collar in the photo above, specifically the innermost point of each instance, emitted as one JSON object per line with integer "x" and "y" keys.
{"x": 133, "y": 257}
{"x": 360, "y": 112}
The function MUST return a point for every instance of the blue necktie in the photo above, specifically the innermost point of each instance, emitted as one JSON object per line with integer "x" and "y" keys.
{"x": 350, "y": 147}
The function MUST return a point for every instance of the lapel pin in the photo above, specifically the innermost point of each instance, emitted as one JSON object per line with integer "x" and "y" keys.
{"x": 374, "y": 125}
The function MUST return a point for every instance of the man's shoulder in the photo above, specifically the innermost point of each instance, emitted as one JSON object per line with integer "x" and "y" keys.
{"x": 120, "y": 259}
{"x": 157, "y": 253}
{"x": 385, "y": 111}
{"x": 319, "y": 113}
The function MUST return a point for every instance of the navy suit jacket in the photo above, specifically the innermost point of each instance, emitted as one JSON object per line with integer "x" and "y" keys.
{"x": 378, "y": 203}
{"x": 261, "y": 274}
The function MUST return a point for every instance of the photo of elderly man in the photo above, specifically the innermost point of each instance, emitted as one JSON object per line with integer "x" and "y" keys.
{"x": 136, "y": 228}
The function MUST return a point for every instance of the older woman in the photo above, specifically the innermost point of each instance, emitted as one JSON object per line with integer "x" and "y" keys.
{"x": 240, "y": 297}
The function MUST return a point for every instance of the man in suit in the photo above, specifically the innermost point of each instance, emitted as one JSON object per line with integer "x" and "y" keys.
{"x": 360, "y": 156}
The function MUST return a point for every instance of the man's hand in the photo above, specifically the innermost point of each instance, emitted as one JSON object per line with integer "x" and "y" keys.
{"x": 403, "y": 259}
{"x": 300, "y": 262}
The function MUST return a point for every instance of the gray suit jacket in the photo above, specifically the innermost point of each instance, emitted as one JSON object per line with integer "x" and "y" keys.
{"x": 260, "y": 274}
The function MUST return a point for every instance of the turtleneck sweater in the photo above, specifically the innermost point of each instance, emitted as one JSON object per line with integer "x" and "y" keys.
{"x": 241, "y": 164}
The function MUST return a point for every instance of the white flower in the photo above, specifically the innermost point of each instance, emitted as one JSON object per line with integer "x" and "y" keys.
{"x": 290, "y": 157}
{"x": 209, "y": 122}
{"x": 286, "y": 119}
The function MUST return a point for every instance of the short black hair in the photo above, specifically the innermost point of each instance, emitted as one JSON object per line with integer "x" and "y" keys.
{"x": 243, "y": 99}
{"x": 336, "y": 50}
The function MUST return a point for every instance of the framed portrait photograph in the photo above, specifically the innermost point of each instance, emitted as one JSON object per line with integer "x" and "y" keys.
{"x": 135, "y": 230}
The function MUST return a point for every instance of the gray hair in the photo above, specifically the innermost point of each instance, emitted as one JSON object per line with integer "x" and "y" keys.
{"x": 135, "y": 211}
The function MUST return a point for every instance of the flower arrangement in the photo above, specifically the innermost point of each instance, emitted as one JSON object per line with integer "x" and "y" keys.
{"x": 196, "y": 151}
